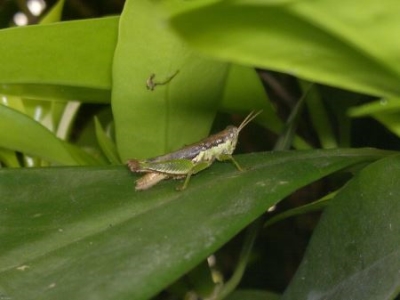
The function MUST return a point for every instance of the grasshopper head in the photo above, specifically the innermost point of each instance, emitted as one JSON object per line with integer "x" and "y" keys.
{"x": 232, "y": 132}
{"x": 232, "y": 135}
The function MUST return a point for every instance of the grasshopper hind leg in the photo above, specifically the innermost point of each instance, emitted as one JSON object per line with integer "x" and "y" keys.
{"x": 150, "y": 179}
{"x": 185, "y": 183}
{"x": 196, "y": 168}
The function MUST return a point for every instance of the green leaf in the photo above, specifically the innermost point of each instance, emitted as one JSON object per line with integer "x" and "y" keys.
{"x": 82, "y": 157}
{"x": 106, "y": 144}
{"x": 320, "y": 119}
{"x": 21, "y": 133}
{"x": 304, "y": 209}
{"x": 386, "y": 111}
{"x": 153, "y": 122}
{"x": 84, "y": 233}
{"x": 9, "y": 158}
{"x": 253, "y": 295}
{"x": 354, "y": 252}
{"x": 244, "y": 91}
{"x": 352, "y": 46}
{"x": 54, "y": 14}
{"x": 60, "y": 61}
{"x": 391, "y": 105}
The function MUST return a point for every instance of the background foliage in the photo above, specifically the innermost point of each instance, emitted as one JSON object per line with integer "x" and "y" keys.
{"x": 76, "y": 104}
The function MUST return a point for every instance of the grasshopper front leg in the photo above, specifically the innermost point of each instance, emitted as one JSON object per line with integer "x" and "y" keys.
{"x": 224, "y": 157}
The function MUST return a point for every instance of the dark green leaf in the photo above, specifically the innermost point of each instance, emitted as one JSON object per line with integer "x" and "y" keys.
{"x": 253, "y": 295}
{"x": 354, "y": 252}
{"x": 84, "y": 233}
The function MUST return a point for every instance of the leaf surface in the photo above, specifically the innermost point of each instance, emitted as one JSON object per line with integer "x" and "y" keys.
{"x": 180, "y": 108}
{"x": 84, "y": 233}
{"x": 59, "y": 61}
{"x": 354, "y": 252}
{"x": 352, "y": 46}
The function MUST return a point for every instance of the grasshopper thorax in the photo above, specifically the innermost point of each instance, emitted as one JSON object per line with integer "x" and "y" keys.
{"x": 231, "y": 134}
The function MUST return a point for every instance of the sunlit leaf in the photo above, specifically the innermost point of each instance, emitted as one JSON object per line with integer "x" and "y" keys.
{"x": 152, "y": 121}
{"x": 21, "y": 133}
{"x": 352, "y": 46}
{"x": 59, "y": 61}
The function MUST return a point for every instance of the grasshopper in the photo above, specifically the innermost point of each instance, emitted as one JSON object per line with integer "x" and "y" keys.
{"x": 190, "y": 159}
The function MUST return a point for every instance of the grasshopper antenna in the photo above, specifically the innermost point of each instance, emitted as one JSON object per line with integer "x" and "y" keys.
{"x": 250, "y": 117}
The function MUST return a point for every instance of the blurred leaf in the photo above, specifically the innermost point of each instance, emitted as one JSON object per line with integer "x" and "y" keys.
{"x": 21, "y": 133}
{"x": 54, "y": 14}
{"x": 60, "y": 114}
{"x": 287, "y": 136}
{"x": 84, "y": 233}
{"x": 304, "y": 209}
{"x": 82, "y": 157}
{"x": 244, "y": 91}
{"x": 106, "y": 144}
{"x": 63, "y": 115}
{"x": 352, "y": 46}
{"x": 320, "y": 119}
{"x": 153, "y": 122}
{"x": 253, "y": 295}
{"x": 338, "y": 102}
{"x": 391, "y": 105}
{"x": 9, "y": 158}
{"x": 354, "y": 252}
{"x": 14, "y": 102}
{"x": 59, "y": 61}
{"x": 386, "y": 111}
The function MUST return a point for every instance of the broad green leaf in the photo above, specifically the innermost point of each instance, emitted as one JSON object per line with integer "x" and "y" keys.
{"x": 153, "y": 122}
{"x": 63, "y": 61}
{"x": 348, "y": 45}
{"x": 84, "y": 233}
{"x": 21, "y": 133}
{"x": 354, "y": 252}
